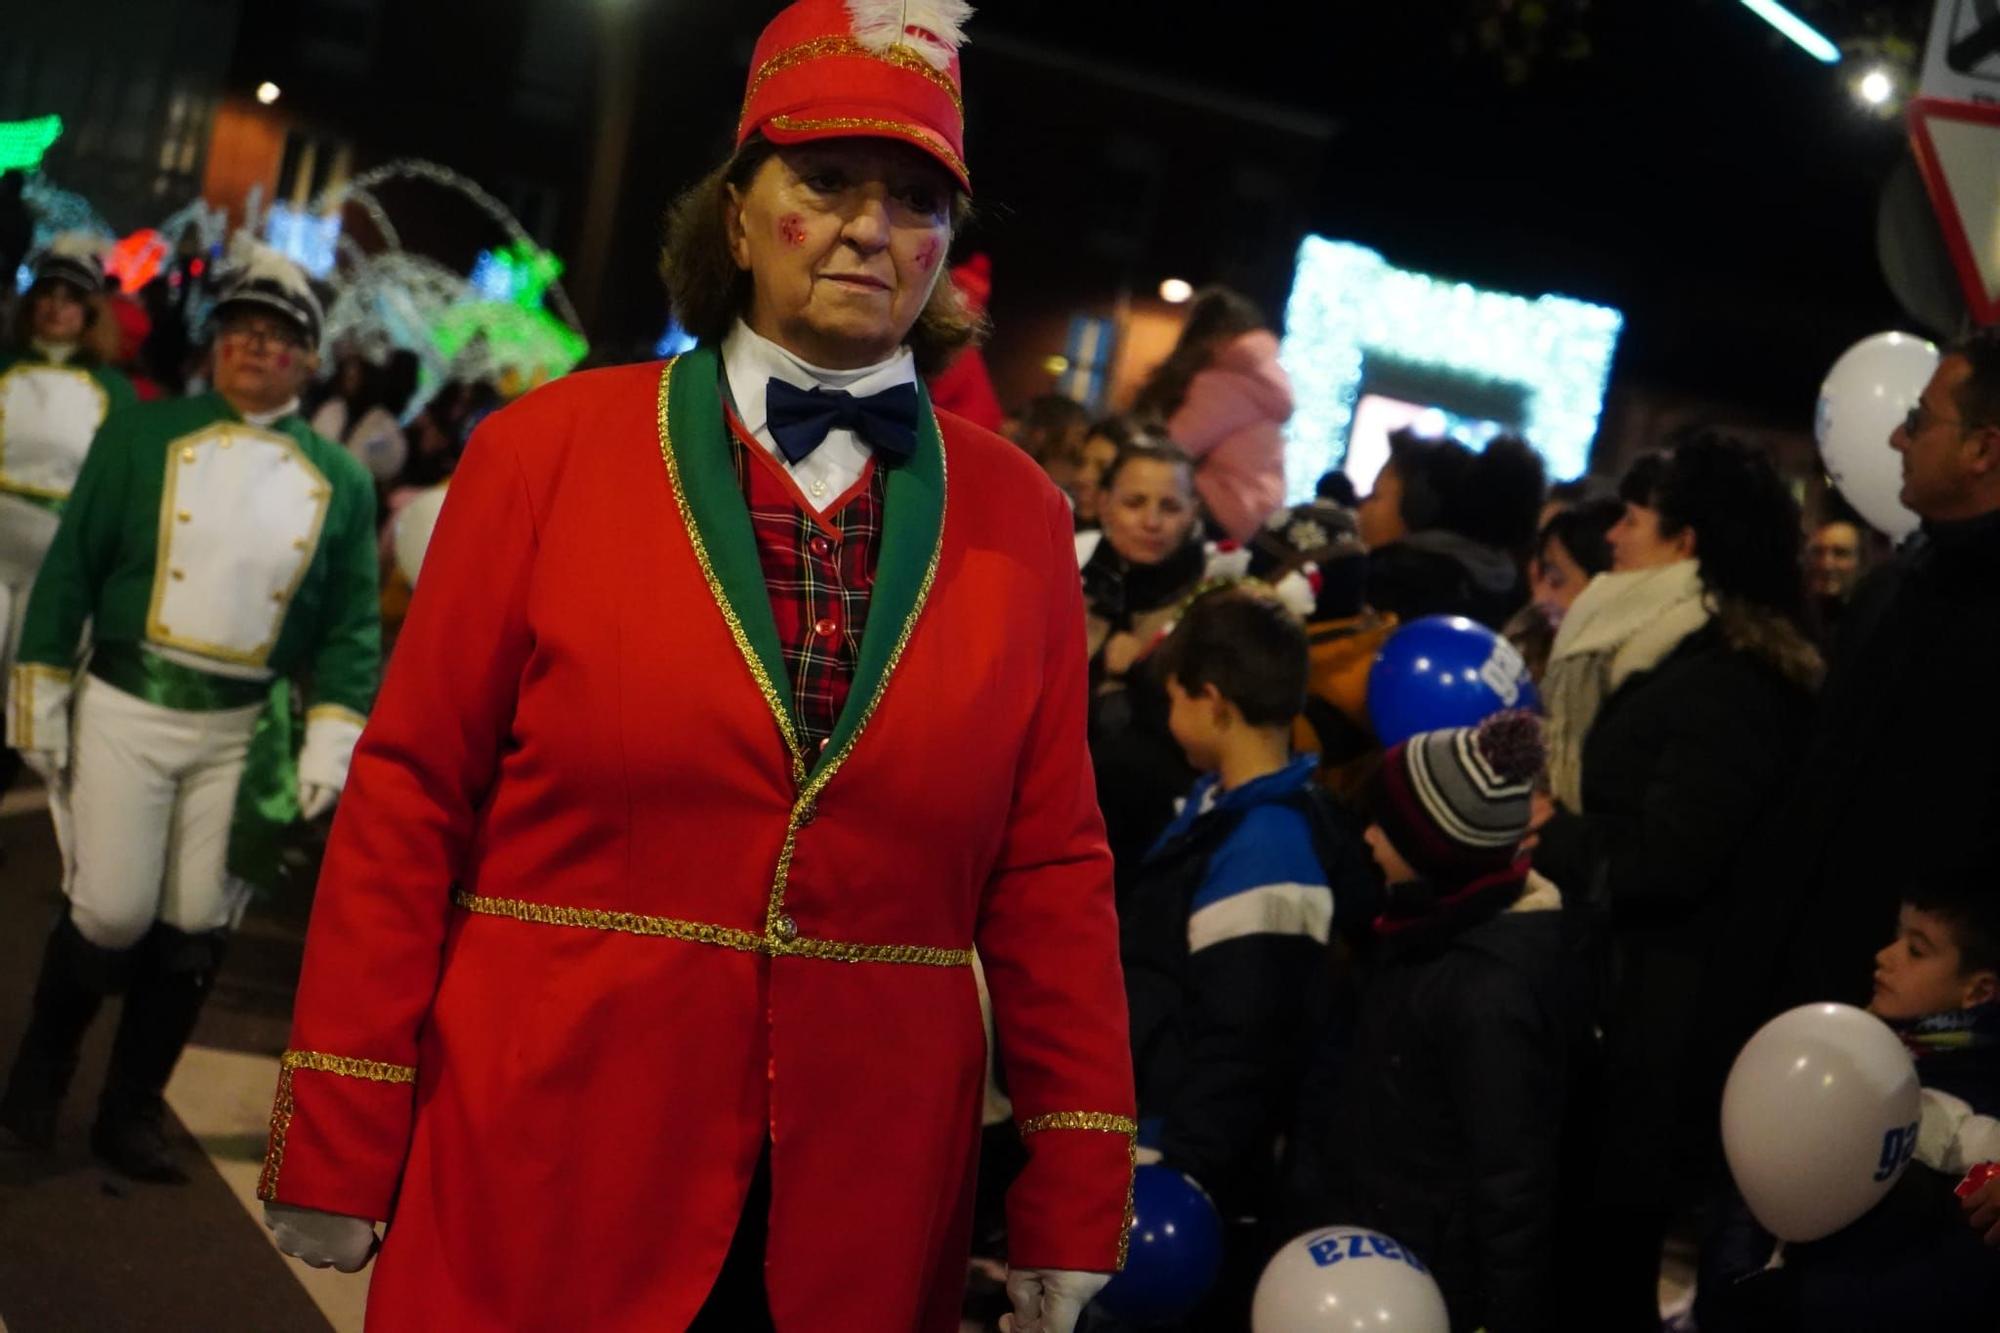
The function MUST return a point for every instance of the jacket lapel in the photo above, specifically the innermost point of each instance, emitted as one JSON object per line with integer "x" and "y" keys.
{"x": 912, "y": 537}
{"x": 718, "y": 525}
{"x": 712, "y": 509}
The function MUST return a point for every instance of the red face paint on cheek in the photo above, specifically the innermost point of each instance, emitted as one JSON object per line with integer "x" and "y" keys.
{"x": 927, "y": 254}
{"x": 792, "y": 229}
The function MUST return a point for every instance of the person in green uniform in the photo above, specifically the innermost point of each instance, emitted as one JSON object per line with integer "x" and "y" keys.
{"x": 55, "y": 391}
{"x": 211, "y": 546}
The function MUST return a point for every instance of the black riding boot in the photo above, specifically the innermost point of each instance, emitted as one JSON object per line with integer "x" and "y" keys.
{"x": 76, "y": 976}
{"x": 172, "y": 980}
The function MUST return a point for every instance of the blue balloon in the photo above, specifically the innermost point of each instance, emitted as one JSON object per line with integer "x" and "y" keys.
{"x": 1174, "y": 1254}
{"x": 1444, "y": 671}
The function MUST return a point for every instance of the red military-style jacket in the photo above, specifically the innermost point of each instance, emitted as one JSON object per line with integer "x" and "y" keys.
{"x": 592, "y": 925}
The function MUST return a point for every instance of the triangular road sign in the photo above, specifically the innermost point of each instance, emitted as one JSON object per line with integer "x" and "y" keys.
{"x": 1958, "y": 148}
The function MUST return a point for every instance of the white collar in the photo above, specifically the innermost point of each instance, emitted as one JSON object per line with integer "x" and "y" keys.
{"x": 751, "y": 360}
{"x": 56, "y": 354}
{"x": 263, "y": 420}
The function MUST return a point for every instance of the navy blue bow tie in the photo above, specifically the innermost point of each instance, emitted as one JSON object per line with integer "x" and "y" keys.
{"x": 800, "y": 418}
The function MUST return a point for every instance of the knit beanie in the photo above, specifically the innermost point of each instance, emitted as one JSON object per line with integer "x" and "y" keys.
{"x": 1455, "y": 803}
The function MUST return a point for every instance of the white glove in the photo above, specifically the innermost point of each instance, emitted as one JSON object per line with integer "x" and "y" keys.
{"x": 51, "y": 766}
{"x": 321, "y": 1240}
{"x": 1951, "y": 1139}
{"x": 315, "y": 800}
{"x": 1049, "y": 1300}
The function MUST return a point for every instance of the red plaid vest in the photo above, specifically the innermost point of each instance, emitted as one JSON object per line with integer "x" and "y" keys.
{"x": 820, "y": 572}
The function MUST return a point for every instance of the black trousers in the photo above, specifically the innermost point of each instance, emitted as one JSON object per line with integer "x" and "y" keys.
{"x": 738, "y": 1303}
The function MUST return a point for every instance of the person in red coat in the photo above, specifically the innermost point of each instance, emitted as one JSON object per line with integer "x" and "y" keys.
{"x": 965, "y": 387}
{"x": 741, "y": 700}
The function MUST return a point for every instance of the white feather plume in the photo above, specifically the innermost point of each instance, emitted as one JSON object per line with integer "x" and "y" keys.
{"x": 934, "y": 29}
{"x": 79, "y": 245}
{"x": 250, "y": 258}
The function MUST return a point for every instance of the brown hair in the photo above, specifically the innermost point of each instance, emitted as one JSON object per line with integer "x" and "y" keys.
{"x": 98, "y": 345}
{"x": 1149, "y": 449}
{"x": 1217, "y": 315}
{"x": 709, "y": 292}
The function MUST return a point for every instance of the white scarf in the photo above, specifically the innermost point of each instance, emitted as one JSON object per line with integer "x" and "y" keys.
{"x": 1622, "y": 624}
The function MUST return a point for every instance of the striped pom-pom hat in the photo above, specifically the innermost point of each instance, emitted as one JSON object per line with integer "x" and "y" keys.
{"x": 1455, "y": 803}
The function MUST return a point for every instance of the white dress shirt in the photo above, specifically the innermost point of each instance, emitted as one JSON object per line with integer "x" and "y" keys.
{"x": 751, "y": 361}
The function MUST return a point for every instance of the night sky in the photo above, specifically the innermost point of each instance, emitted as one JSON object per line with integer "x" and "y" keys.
{"x": 1695, "y": 170}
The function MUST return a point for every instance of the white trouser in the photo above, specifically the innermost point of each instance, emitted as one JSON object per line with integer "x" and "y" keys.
{"x": 25, "y": 533}
{"x": 145, "y": 816}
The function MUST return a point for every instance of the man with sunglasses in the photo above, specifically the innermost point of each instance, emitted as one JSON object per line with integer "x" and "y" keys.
{"x": 211, "y": 548}
{"x": 1902, "y": 783}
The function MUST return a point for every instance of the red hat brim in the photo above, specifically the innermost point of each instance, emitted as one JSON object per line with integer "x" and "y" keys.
{"x": 834, "y": 120}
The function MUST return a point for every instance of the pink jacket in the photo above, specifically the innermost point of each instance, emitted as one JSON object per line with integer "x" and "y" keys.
{"x": 1233, "y": 424}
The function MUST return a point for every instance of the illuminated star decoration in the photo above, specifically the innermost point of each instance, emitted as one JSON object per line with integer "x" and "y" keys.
{"x": 22, "y": 142}
{"x": 1349, "y": 304}
{"x": 521, "y": 273}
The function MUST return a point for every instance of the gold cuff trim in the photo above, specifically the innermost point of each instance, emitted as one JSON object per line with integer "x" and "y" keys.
{"x": 1108, "y": 1123}
{"x": 839, "y": 44}
{"x": 282, "y": 1105}
{"x": 337, "y": 712}
{"x": 375, "y": 1071}
{"x": 1098, "y": 1120}
{"x": 896, "y": 128}
{"x": 23, "y": 696}
{"x": 771, "y": 944}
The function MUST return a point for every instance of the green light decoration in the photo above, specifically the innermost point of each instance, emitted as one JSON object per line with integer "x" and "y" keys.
{"x": 22, "y": 142}
{"x": 532, "y": 342}
{"x": 521, "y": 272}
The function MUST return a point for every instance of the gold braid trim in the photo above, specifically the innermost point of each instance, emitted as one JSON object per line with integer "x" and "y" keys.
{"x": 839, "y": 44}
{"x": 1131, "y": 1208}
{"x": 282, "y": 1106}
{"x": 895, "y": 128}
{"x": 1098, "y": 1120}
{"x": 809, "y": 796}
{"x": 337, "y": 713}
{"x": 726, "y": 937}
{"x": 25, "y": 675}
{"x": 920, "y": 955}
{"x": 1110, "y": 1124}
{"x": 624, "y": 923}
{"x": 765, "y": 687}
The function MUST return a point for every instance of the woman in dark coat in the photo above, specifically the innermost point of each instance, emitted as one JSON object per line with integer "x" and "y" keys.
{"x": 1447, "y": 529}
{"x": 1680, "y": 771}
{"x": 1148, "y": 559}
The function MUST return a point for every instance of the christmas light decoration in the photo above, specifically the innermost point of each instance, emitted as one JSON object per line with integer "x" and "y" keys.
{"x": 57, "y": 210}
{"x": 416, "y": 169}
{"x": 309, "y": 240}
{"x": 1349, "y": 304}
{"x": 520, "y": 273}
{"x": 138, "y": 259}
{"x": 23, "y": 142}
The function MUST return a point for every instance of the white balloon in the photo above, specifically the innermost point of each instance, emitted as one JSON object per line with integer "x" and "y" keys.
{"x": 1347, "y": 1278}
{"x": 1819, "y": 1118}
{"x": 414, "y": 524}
{"x": 1865, "y": 397}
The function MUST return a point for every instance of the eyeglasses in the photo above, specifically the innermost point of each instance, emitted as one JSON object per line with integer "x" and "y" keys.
{"x": 1914, "y": 419}
{"x": 259, "y": 336}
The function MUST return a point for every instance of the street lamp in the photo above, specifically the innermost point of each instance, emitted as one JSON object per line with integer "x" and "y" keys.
{"x": 267, "y": 92}
{"x": 1875, "y": 87}
{"x": 1175, "y": 291}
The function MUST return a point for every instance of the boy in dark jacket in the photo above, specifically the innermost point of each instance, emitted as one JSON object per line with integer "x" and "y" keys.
{"x": 1912, "y": 1263}
{"x": 1450, "y": 1119}
{"x": 1225, "y": 935}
